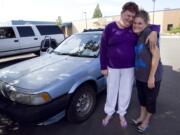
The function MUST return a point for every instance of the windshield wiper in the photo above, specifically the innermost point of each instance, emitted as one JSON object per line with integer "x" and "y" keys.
{"x": 89, "y": 56}
{"x": 80, "y": 55}
{"x": 74, "y": 54}
{"x": 60, "y": 53}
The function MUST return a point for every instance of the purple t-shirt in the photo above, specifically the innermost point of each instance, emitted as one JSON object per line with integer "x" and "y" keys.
{"x": 117, "y": 47}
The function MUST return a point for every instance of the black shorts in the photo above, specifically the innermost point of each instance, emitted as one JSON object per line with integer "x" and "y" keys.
{"x": 147, "y": 97}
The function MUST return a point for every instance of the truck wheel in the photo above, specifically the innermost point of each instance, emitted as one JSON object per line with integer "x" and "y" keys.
{"x": 37, "y": 53}
{"x": 82, "y": 104}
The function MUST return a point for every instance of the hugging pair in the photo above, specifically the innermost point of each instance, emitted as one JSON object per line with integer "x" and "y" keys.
{"x": 129, "y": 49}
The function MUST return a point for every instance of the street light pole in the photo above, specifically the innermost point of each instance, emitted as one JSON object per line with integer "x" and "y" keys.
{"x": 85, "y": 15}
{"x": 153, "y": 9}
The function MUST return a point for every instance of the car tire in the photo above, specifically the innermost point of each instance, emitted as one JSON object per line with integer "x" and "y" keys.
{"x": 37, "y": 53}
{"x": 82, "y": 104}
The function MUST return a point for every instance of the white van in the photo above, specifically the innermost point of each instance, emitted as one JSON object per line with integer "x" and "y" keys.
{"x": 18, "y": 39}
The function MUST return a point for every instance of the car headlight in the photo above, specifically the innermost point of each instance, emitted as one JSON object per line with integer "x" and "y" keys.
{"x": 26, "y": 98}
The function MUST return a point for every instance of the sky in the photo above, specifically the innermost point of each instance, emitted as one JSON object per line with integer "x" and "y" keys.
{"x": 70, "y": 10}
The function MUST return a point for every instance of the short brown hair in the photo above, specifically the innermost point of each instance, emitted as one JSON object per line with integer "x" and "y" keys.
{"x": 144, "y": 15}
{"x": 130, "y": 6}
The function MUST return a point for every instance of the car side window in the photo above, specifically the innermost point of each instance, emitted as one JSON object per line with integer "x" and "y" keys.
{"x": 7, "y": 32}
{"x": 49, "y": 30}
{"x": 25, "y": 31}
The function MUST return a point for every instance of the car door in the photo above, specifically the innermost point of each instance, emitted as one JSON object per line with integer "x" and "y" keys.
{"x": 28, "y": 39}
{"x": 8, "y": 40}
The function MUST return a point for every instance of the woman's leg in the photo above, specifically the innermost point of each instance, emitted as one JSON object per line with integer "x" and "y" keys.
{"x": 112, "y": 93}
{"x": 146, "y": 120}
{"x": 125, "y": 90}
{"x": 151, "y": 95}
{"x": 141, "y": 88}
{"x": 142, "y": 115}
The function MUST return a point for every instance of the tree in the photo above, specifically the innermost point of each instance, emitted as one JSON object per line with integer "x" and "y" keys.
{"x": 175, "y": 30}
{"x": 97, "y": 12}
{"x": 59, "y": 21}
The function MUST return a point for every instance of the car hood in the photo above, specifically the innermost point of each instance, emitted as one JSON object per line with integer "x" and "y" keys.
{"x": 36, "y": 74}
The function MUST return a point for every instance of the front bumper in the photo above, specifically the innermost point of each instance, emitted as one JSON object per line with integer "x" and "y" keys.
{"x": 32, "y": 114}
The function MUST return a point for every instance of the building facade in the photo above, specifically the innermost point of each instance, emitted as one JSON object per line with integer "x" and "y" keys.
{"x": 168, "y": 19}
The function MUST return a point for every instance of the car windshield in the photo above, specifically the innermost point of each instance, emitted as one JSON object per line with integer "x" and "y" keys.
{"x": 81, "y": 45}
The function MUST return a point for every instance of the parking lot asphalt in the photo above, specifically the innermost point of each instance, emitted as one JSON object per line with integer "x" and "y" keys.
{"x": 165, "y": 122}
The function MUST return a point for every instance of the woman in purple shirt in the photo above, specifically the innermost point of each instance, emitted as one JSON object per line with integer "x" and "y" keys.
{"x": 117, "y": 58}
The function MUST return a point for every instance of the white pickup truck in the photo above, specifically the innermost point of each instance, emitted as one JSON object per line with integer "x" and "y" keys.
{"x": 18, "y": 39}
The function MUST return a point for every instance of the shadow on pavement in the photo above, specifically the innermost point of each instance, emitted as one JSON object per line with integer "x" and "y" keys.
{"x": 9, "y": 62}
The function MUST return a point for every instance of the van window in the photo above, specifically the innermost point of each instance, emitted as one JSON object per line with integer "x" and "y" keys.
{"x": 49, "y": 30}
{"x": 25, "y": 31}
{"x": 7, "y": 32}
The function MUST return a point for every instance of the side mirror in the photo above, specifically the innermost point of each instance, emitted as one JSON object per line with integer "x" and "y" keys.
{"x": 50, "y": 50}
{"x": 48, "y": 45}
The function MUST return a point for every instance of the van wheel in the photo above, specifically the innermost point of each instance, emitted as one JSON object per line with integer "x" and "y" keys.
{"x": 82, "y": 104}
{"x": 37, "y": 53}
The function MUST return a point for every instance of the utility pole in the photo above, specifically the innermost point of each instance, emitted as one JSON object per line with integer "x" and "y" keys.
{"x": 85, "y": 15}
{"x": 153, "y": 9}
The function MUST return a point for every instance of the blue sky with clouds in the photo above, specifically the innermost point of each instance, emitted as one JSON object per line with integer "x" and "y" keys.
{"x": 48, "y": 10}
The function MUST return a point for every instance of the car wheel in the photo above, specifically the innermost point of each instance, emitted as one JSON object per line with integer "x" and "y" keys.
{"x": 37, "y": 53}
{"x": 82, "y": 104}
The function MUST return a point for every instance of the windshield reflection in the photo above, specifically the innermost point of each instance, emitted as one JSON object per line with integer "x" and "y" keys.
{"x": 81, "y": 45}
